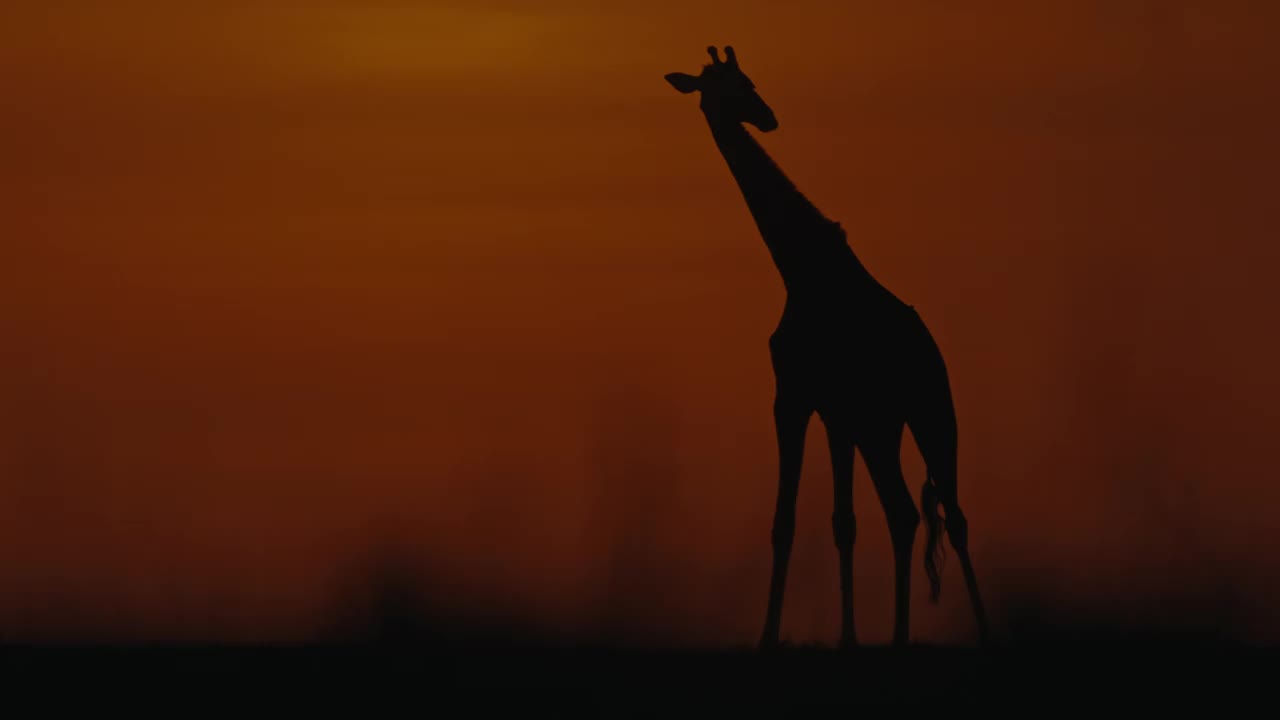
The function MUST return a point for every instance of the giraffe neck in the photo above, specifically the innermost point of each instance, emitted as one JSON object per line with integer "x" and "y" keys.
{"x": 807, "y": 248}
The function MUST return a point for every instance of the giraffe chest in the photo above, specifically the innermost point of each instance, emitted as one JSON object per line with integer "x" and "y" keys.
{"x": 837, "y": 338}
{"x": 808, "y": 338}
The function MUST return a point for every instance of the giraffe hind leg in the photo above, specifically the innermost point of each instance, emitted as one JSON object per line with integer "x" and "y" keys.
{"x": 936, "y": 438}
{"x": 881, "y": 452}
{"x": 958, "y": 534}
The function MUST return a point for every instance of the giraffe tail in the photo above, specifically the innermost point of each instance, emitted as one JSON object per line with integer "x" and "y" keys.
{"x": 935, "y": 528}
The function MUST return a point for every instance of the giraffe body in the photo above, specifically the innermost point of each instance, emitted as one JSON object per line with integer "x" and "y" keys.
{"x": 847, "y": 351}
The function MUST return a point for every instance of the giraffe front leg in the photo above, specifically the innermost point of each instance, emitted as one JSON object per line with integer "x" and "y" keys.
{"x": 843, "y": 524}
{"x": 791, "y": 422}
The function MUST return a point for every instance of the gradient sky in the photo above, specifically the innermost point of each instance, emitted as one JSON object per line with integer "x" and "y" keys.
{"x": 291, "y": 285}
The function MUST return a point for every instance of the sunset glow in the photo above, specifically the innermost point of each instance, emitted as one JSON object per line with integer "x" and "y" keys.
{"x": 288, "y": 286}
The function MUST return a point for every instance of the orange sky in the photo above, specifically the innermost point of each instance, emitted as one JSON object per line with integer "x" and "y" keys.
{"x": 289, "y": 283}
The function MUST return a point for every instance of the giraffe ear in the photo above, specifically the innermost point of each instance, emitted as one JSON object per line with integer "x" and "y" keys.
{"x": 683, "y": 82}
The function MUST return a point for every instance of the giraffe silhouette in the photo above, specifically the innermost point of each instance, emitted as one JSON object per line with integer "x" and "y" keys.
{"x": 848, "y": 350}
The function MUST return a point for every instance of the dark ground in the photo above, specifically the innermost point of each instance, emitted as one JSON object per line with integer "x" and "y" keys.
{"x": 400, "y": 656}
{"x": 1149, "y": 674}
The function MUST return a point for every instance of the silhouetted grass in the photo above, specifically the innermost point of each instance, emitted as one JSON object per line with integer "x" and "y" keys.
{"x": 400, "y": 648}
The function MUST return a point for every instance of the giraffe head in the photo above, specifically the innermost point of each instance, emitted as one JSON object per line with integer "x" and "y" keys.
{"x": 727, "y": 93}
